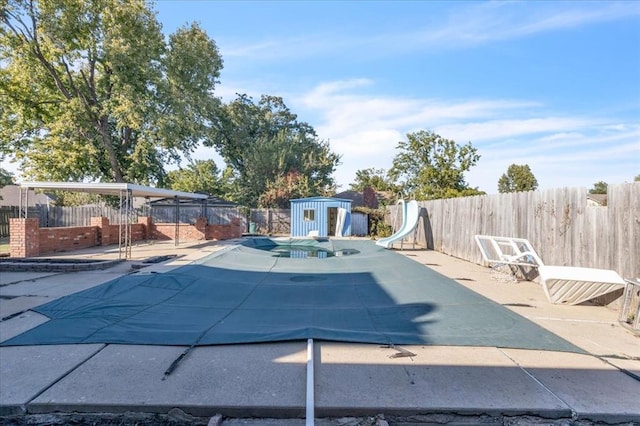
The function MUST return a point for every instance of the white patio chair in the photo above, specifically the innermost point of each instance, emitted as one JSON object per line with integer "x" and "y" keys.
{"x": 562, "y": 284}
{"x": 570, "y": 285}
{"x": 507, "y": 251}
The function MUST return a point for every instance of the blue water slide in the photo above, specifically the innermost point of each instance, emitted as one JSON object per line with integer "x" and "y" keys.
{"x": 410, "y": 215}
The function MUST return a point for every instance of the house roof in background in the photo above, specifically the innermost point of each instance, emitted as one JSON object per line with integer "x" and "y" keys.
{"x": 598, "y": 198}
{"x": 357, "y": 198}
{"x": 10, "y": 196}
{"x": 112, "y": 189}
{"x": 320, "y": 199}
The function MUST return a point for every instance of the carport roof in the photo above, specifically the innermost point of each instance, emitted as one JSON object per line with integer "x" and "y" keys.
{"x": 112, "y": 189}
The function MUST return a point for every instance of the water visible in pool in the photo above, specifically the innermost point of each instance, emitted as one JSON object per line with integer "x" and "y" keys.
{"x": 307, "y": 252}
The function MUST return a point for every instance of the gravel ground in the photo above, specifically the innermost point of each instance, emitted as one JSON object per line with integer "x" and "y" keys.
{"x": 178, "y": 418}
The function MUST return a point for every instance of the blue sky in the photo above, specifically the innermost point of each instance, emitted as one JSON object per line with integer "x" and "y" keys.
{"x": 551, "y": 84}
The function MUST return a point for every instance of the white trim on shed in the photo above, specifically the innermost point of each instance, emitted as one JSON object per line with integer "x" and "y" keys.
{"x": 319, "y": 216}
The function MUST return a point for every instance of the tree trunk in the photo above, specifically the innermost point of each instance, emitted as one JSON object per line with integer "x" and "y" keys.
{"x": 111, "y": 152}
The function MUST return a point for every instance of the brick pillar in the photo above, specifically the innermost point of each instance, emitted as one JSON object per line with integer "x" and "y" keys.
{"x": 103, "y": 237}
{"x": 24, "y": 240}
{"x": 147, "y": 221}
{"x": 201, "y": 228}
{"x": 201, "y": 224}
{"x": 236, "y": 227}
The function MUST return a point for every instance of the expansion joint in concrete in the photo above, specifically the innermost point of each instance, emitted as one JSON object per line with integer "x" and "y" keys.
{"x": 62, "y": 376}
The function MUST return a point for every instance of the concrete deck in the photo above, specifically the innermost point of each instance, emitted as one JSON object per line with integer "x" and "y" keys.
{"x": 354, "y": 383}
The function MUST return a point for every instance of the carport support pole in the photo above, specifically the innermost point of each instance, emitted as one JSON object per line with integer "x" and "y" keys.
{"x": 310, "y": 397}
{"x": 121, "y": 218}
{"x": 24, "y": 203}
{"x": 176, "y": 237}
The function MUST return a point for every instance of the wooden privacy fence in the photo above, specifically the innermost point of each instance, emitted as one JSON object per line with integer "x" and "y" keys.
{"x": 271, "y": 221}
{"x": 8, "y": 212}
{"x": 56, "y": 216}
{"x": 562, "y": 228}
{"x": 214, "y": 215}
{"x": 278, "y": 222}
{"x": 268, "y": 221}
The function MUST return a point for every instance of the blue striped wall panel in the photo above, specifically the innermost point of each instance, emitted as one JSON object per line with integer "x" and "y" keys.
{"x": 320, "y": 207}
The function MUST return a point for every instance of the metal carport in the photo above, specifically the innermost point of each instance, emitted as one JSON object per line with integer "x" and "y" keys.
{"x": 124, "y": 190}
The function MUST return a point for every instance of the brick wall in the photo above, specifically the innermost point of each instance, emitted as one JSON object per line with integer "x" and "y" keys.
{"x": 27, "y": 239}
{"x": 147, "y": 225}
{"x": 103, "y": 236}
{"x": 186, "y": 232}
{"x": 23, "y": 237}
{"x": 225, "y": 232}
{"x": 67, "y": 239}
{"x": 138, "y": 233}
{"x": 200, "y": 231}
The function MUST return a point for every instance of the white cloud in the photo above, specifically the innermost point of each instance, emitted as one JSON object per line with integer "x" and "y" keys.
{"x": 487, "y": 22}
{"x": 568, "y": 159}
{"x": 560, "y": 149}
{"x": 471, "y": 25}
{"x": 503, "y": 129}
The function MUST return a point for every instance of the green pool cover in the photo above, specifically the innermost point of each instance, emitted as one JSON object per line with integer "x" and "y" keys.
{"x": 248, "y": 294}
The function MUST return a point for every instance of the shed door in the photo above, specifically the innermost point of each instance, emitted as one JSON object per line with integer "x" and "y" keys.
{"x": 332, "y": 218}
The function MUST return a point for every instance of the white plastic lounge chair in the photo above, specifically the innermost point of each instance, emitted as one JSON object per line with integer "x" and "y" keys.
{"x": 507, "y": 251}
{"x": 562, "y": 284}
{"x": 571, "y": 285}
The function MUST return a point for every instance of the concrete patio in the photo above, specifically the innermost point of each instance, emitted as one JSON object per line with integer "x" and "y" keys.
{"x": 354, "y": 383}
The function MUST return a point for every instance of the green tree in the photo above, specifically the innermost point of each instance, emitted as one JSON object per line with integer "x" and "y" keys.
{"x": 430, "y": 166}
{"x": 263, "y": 142}
{"x": 599, "y": 188}
{"x": 518, "y": 178}
{"x": 202, "y": 176}
{"x": 6, "y": 177}
{"x": 278, "y": 193}
{"x": 378, "y": 179}
{"x": 73, "y": 199}
{"x": 91, "y": 89}
{"x": 637, "y": 178}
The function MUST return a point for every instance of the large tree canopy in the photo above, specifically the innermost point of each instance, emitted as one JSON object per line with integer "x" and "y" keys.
{"x": 200, "y": 176}
{"x": 377, "y": 179}
{"x": 278, "y": 194}
{"x": 430, "y": 166}
{"x": 91, "y": 89}
{"x": 518, "y": 178}
{"x": 265, "y": 144}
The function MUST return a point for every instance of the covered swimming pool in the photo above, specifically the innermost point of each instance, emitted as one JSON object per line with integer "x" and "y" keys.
{"x": 357, "y": 292}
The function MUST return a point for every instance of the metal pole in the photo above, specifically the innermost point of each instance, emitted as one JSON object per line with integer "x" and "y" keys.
{"x": 120, "y": 228}
{"x": 22, "y": 211}
{"x": 310, "y": 414}
{"x": 129, "y": 202}
{"x": 177, "y": 221}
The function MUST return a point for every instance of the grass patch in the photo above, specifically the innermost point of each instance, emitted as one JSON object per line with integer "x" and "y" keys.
{"x": 4, "y": 245}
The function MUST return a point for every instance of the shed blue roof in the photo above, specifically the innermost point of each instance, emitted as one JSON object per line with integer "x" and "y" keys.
{"x": 320, "y": 199}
